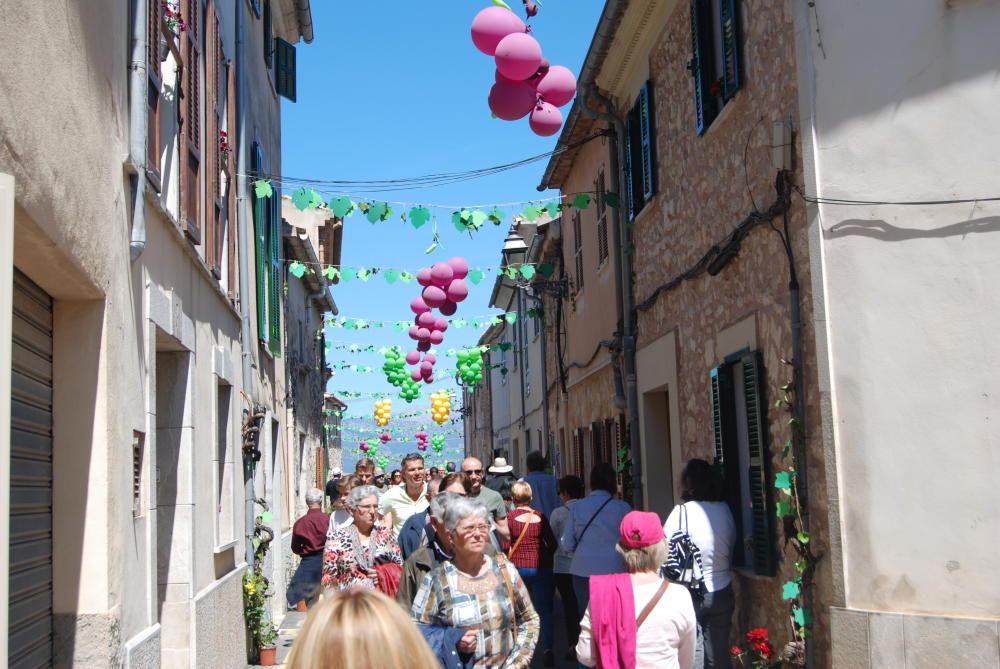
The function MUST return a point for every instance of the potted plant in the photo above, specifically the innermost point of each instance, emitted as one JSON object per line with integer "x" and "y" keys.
{"x": 268, "y": 640}
{"x": 759, "y": 653}
{"x": 263, "y": 633}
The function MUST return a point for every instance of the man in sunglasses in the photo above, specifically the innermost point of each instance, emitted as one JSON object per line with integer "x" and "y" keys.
{"x": 473, "y": 469}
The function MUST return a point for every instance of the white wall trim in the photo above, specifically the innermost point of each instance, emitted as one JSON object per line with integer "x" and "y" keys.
{"x": 6, "y": 334}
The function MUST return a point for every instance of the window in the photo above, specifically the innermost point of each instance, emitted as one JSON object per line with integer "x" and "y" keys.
{"x": 138, "y": 448}
{"x": 284, "y": 82}
{"x": 503, "y": 362}
{"x": 224, "y": 468}
{"x": 715, "y": 58}
{"x": 578, "y": 249}
{"x": 269, "y": 274}
{"x": 268, "y": 35}
{"x": 602, "y": 218}
{"x": 190, "y": 140}
{"x": 154, "y": 32}
{"x": 640, "y": 153}
{"x": 215, "y": 86}
{"x": 741, "y": 454}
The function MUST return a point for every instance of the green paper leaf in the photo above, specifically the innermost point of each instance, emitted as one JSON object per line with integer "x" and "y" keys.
{"x": 348, "y": 273}
{"x": 364, "y": 274}
{"x": 342, "y": 207}
{"x": 478, "y": 218}
{"x": 461, "y": 219}
{"x": 611, "y": 199}
{"x": 782, "y": 509}
{"x": 800, "y": 566}
{"x": 405, "y": 277}
{"x": 532, "y": 213}
{"x": 496, "y": 216}
{"x": 262, "y": 188}
{"x": 510, "y": 273}
{"x": 349, "y": 324}
{"x": 301, "y": 198}
{"x": 786, "y": 448}
{"x": 511, "y": 317}
{"x": 419, "y": 216}
{"x": 528, "y": 272}
{"x": 400, "y": 325}
{"x": 391, "y": 276}
{"x": 783, "y": 482}
{"x": 316, "y": 200}
{"x": 430, "y": 249}
{"x": 459, "y": 323}
{"x": 803, "y": 537}
{"x": 475, "y": 276}
{"x": 790, "y": 590}
{"x": 331, "y": 273}
{"x": 802, "y": 617}
{"x": 377, "y": 211}
{"x": 266, "y": 517}
{"x": 297, "y": 269}
{"x": 581, "y": 201}
{"x": 546, "y": 269}
{"x": 496, "y": 320}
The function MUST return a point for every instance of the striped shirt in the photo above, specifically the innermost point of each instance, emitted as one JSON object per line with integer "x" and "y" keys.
{"x": 498, "y": 638}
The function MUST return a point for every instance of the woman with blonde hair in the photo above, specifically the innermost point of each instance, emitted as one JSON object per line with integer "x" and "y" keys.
{"x": 359, "y": 629}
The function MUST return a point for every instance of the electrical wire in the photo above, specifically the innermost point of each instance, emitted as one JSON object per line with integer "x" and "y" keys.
{"x": 896, "y": 203}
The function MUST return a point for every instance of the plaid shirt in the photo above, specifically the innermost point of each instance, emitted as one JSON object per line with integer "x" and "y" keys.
{"x": 439, "y": 602}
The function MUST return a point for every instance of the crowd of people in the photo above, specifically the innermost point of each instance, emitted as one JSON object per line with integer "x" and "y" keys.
{"x": 473, "y": 559}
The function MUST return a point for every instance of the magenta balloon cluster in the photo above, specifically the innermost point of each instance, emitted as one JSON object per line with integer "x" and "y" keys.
{"x": 422, "y": 440}
{"x": 444, "y": 287}
{"x": 525, "y": 82}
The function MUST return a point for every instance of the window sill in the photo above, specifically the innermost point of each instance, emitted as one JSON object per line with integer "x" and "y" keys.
{"x": 222, "y": 548}
{"x": 723, "y": 117}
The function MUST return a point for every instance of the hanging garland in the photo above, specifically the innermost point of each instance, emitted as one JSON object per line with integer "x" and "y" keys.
{"x": 346, "y": 273}
{"x": 400, "y": 326}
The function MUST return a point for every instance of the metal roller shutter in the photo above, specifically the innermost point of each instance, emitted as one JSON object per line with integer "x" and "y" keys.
{"x": 30, "y": 632}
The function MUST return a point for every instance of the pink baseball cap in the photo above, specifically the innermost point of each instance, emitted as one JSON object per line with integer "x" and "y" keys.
{"x": 640, "y": 529}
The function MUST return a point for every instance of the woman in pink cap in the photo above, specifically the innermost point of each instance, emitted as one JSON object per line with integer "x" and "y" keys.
{"x": 638, "y": 620}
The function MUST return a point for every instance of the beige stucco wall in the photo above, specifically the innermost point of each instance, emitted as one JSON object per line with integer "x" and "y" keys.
{"x": 910, "y": 303}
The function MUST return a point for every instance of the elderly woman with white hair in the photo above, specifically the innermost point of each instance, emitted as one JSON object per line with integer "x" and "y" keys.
{"x": 480, "y": 594}
{"x": 359, "y": 554}
{"x": 308, "y": 538}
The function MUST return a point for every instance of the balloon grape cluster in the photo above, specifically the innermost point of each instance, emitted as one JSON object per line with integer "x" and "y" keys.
{"x": 437, "y": 443}
{"x": 443, "y": 288}
{"x": 440, "y": 407}
{"x": 383, "y": 412}
{"x": 525, "y": 82}
{"x": 421, "y": 440}
{"x": 395, "y": 367}
{"x": 470, "y": 366}
{"x": 410, "y": 390}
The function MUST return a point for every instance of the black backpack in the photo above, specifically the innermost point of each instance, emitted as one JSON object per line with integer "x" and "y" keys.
{"x": 683, "y": 565}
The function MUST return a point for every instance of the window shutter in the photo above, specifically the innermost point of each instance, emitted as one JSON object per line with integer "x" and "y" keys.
{"x": 647, "y": 137}
{"x": 153, "y": 19}
{"x": 729, "y": 18}
{"x": 763, "y": 543}
{"x": 214, "y": 64}
{"x": 230, "y": 193}
{"x": 191, "y": 158}
{"x": 701, "y": 64}
{"x": 259, "y": 224}
{"x": 727, "y": 457}
{"x": 268, "y": 35}
{"x": 276, "y": 276}
{"x": 285, "y": 71}
{"x": 635, "y": 191}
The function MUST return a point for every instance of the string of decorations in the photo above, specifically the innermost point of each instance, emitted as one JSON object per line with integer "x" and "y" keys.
{"x": 349, "y": 323}
{"x": 514, "y": 272}
{"x": 359, "y": 349}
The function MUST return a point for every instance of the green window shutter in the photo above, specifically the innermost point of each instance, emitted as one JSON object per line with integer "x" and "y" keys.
{"x": 260, "y": 250}
{"x": 276, "y": 276}
{"x": 285, "y": 70}
{"x": 760, "y": 491}
{"x": 729, "y": 17}
{"x": 727, "y": 455}
{"x": 268, "y": 35}
{"x": 647, "y": 136}
{"x": 702, "y": 64}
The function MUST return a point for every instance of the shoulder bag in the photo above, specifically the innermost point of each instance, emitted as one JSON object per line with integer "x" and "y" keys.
{"x": 683, "y": 565}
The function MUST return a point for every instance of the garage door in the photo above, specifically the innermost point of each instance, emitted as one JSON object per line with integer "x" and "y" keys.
{"x": 31, "y": 478}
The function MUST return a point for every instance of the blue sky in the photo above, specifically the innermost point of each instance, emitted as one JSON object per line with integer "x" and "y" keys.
{"x": 390, "y": 90}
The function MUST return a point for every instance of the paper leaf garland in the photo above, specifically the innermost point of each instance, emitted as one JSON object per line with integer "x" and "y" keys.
{"x": 532, "y": 213}
{"x": 496, "y": 216}
{"x": 342, "y": 207}
{"x": 528, "y": 272}
{"x": 297, "y": 269}
{"x": 391, "y": 276}
{"x": 419, "y": 216}
{"x": 581, "y": 200}
{"x": 611, "y": 199}
{"x": 332, "y": 273}
{"x": 475, "y": 276}
{"x": 262, "y": 188}
{"x": 546, "y": 269}
{"x": 301, "y": 198}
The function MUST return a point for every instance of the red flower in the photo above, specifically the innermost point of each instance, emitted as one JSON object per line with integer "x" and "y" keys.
{"x": 735, "y": 651}
{"x": 764, "y": 649}
{"x": 757, "y": 635}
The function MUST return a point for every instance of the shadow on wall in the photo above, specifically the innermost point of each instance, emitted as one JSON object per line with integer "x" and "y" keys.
{"x": 885, "y": 232}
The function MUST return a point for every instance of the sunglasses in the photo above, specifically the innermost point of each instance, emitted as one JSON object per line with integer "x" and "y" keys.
{"x": 478, "y": 472}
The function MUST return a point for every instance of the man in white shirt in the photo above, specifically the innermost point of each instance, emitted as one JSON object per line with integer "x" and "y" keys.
{"x": 473, "y": 469}
{"x": 398, "y": 504}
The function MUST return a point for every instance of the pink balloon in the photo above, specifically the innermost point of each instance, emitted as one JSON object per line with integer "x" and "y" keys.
{"x": 424, "y": 276}
{"x": 385, "y": 438}
{"x": 421, "y": 446}
{"x": 558, "y": 86}
{"x": 459, "y": 267}
{"x": 413, "y": 357}
{"x": 448, "y": 308}
{"x": 418, "y": 306}
{"x": 511, "y": 101}
{"x": 493, "y": 24}
{"x": 416, "y": 375}
{"x": 442, "y": 274}
{"x": 434, "y": 296}
{"x": 423, "y": 334}
{"x": 424, "y": 346}
{"x": 499, "y": 78}
{"x": 441, "y": 324}
{"x": 426, "y": 320}
{"x": 457, "y": 291}
{"x": 518, "y": 56}
{"x": 545, "y": 120}
{"x": 413, "y": 332}
{"x": 437, "y": 337}
{"x": 426, "y": 366}
{"x": 429, "y": 380}
{"x": 431, "y": 358}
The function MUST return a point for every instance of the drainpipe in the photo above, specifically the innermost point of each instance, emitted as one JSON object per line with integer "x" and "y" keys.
{"x": 520, "y": 372}
{"x": 246, "y": 333}
{"x": 138, "y": 90}
{"x": 545, "y": 381}
{"x": 623, "y": 280}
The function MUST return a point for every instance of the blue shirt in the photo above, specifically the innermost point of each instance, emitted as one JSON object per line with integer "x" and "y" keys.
{"x": 544, "y": 497}
{"x": 594, "y": 551}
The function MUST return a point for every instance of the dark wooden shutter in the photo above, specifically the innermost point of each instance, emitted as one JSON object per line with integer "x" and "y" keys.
{"x": 153, "y": 19}
{"x": 647, "y": 138}
{"x": 285, "y": 70}
{"x": 268, "y": 35}
{"x": 260, "y": 250}
{"x": 633, "y": 127}
{"x": 191, "y": 157}
{"x": 729, "y": 17}
{"x": 230, "y": 195}
{"x": 727, "y": 458}
{"x": 214, "y": 64}
{"x": 762, "y": 537}
{"x": 702, "y": 64}
{"x": 276, "y": 275}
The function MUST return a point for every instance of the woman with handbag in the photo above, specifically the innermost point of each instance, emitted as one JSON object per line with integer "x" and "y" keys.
{"x": 702, "y": 534}
{"x": 637, "y": 620}
{"x": 482, "y": 595}
{"x": 364, "y": 554}
{"x": 532, "y": 551}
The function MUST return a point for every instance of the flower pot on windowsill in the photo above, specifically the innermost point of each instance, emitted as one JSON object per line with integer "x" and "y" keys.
{"x": 268, "y": 656}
